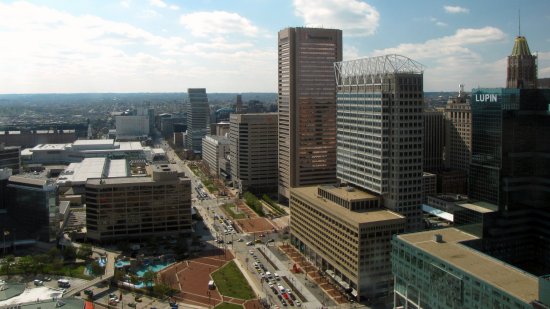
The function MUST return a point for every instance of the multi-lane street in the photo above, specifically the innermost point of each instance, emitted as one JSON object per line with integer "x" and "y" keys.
{"x": 258, "y": 262}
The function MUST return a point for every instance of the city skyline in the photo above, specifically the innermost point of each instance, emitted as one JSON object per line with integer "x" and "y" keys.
{"x": 168, "y": 46}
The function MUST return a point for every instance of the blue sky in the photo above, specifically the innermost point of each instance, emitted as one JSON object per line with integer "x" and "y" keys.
{"x": 231, "y": 45}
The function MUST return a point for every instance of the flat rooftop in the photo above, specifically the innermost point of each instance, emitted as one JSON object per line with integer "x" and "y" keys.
{"x": 481, "y": 207}
{"x": 520, "y": 284}
{"x": 450, "y": 197}
{"x": 350, "y": 194}
{"x": 371, "y": 216}
{"x": 47, "y": 147}
{"x": 94, "y": 142}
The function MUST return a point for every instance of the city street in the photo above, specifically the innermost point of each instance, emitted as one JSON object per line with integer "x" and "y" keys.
{"x": 272, "y": 259}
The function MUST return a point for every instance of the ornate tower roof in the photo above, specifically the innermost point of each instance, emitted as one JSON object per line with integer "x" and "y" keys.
{"x": 521, "y": 48}
{"x": 522, "y": 66}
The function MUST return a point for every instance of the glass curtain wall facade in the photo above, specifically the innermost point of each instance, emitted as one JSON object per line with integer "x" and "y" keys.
{"x": 307, "y": 107}
{"x": 34, "y": 206}
{"x": 511, "y": 169}
{"x": 487, "y": 139}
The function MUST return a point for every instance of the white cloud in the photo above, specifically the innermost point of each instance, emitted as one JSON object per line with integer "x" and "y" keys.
{"x": 438, "y": 22}
{"x": 158, "y": 3}
{"x": 125, "y": 3}
{"x": 448, "y": 45}
{"x": 354, "y": 17}
{"x": 149, "y": 14}
{"x": 217, "y": 23}
{"x": 163, "y": 5}
{"x": 450, "y": 60}
{"x": 48, "y": 50}
{"x": 455, "y": 9}
{"x": 350, "y": 52}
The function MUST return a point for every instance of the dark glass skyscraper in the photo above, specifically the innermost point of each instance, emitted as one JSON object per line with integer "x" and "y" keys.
{"x": 510, "y": 168}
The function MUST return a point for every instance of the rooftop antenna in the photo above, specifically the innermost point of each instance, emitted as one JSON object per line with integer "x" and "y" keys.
{"x": 519, "y": 22}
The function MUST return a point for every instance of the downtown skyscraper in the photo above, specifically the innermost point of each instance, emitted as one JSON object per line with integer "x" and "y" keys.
{"x": 380, "y": 131}
{"x": 307, "y": 106}
{"x": 198, "y": 118}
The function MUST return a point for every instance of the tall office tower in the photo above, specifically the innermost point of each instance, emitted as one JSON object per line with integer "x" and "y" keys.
{"x": 522, "y": 66}
{"x": 380, "y": 130}
{"x": 158, "y": 204}
{"x": 198, "y": 118}
{"x": 510, "y": 168}
{"x": 239, "y": 109}
{"x": 307, "y": 107}
{"x": 458, "y": 136}
{"x": 253, "y": 147}
{"x": 10, "y": 157}
{"x": 434, "y": 139}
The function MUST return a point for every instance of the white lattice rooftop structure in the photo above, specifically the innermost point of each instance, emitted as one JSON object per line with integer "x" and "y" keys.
{"x": 370, "y": 70}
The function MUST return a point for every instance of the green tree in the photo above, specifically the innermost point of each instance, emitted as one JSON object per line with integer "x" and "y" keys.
{"x": 53, "y": 254}
{"x": 162, "y": 290}
{"x": 96, "y": 269}
{"x": 119, "y": 275}
{"x": 84, "y": 252}
{"x": 69, "y": 253}
{"x": 7, "y": 266}
{"x": 25, "y": 264}
{"x": 40, "y": 261}
{"x": 57, "y": 265}
{"x": 149, "y": 277}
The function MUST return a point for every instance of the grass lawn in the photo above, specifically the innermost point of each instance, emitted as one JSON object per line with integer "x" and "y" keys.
{"x": 231, "y": 282}
{"x": 228, "y": 306}
{"x": 229, "y": 209}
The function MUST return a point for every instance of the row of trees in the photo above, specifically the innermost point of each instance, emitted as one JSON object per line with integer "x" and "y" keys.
{"x": 52, "y": 262}
{"x": 252, "y": 201}
{"x": 274, "y": 205}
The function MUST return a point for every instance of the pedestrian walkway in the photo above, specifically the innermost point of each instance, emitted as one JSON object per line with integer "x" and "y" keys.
{"x": 313, "y": 272}
{"x": 109, "y": 272}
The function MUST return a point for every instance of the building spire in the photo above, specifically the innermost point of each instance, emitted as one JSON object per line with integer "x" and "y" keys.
{"x": 519, "y": 22}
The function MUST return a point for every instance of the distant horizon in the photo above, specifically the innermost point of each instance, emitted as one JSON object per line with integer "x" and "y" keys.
{"x": 156, "y": 46}
{"x": 250, "y": 92}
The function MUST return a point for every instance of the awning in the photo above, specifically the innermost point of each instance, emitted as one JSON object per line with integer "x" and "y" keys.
{"x": 438, "y": 212}
{"x": 344, "y": 284}
{"x": 330, "y": 273}
{"x": 354, "y": 293}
